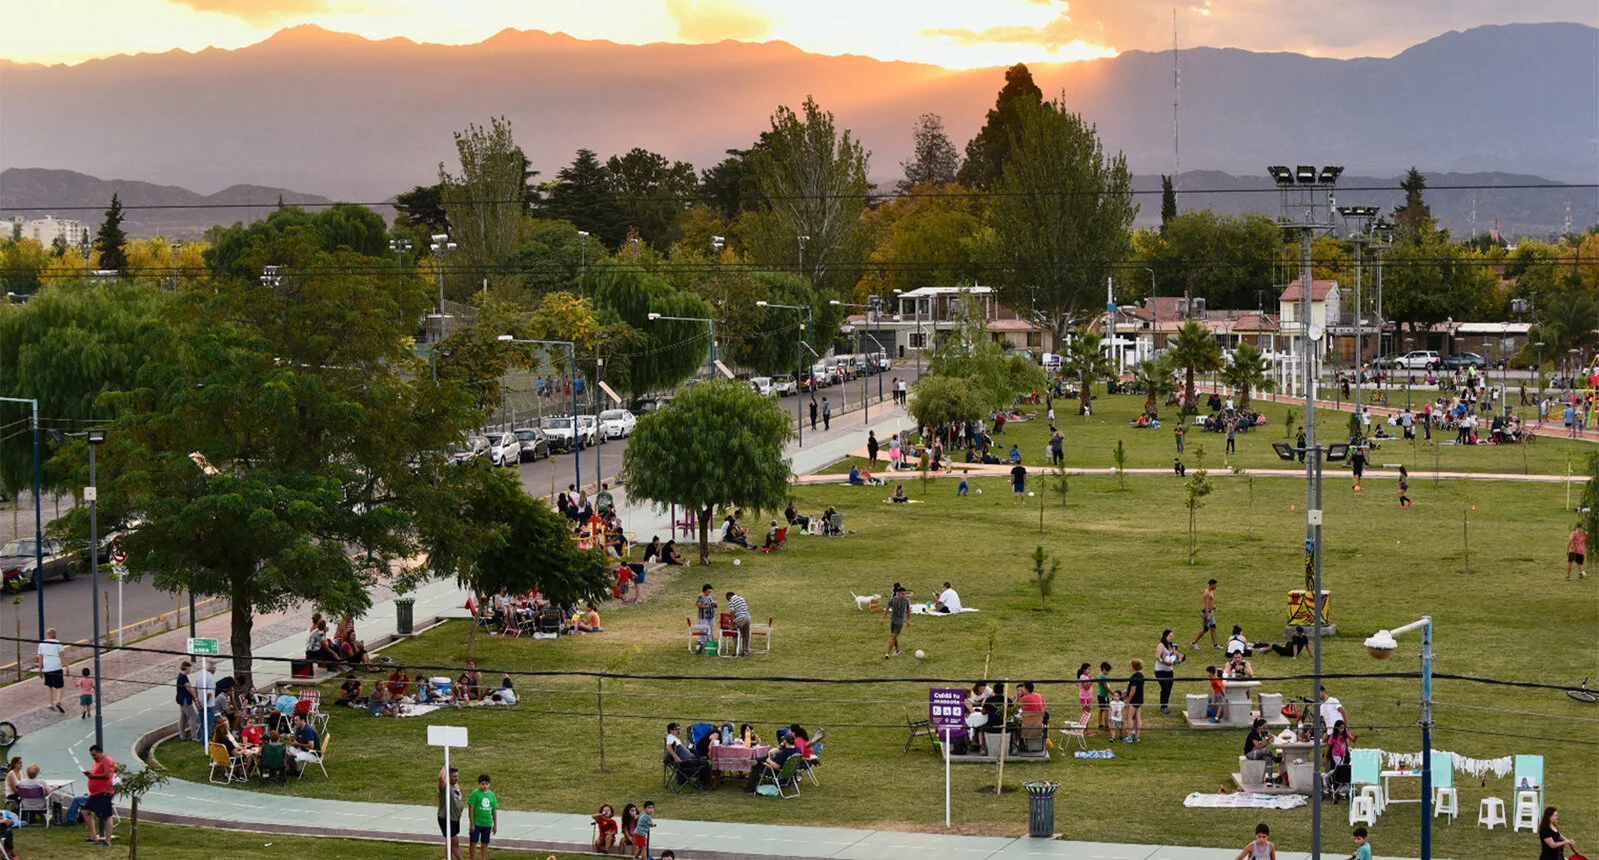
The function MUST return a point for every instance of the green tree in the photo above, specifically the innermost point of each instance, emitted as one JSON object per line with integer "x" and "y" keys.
{"x": 1086, "y": 361}
{"x": 111, "y": 239}
{"x": 1195, "y": 351}
{"x": 666, "y": 351}
{"x": 22, "y": 266}
{"x": 550, "y": 254}
{"x": 241, "y": 250}
{"x": 651, "y": 192}
{"x": 422, "y": 208}
{"x": 1428, "y": 282}
{"x": 939, "y": 400}
{"x": 324, "y": 436}
{"x": 718, "y": 444}
{"x": 1247, "y": 372}
{"x": 517, "y": 543}
{"x": 1413, "y": 222}
{"x": 134, "y": 785}
{"x": 730, "y": 187}
{"x": 934, "y": 236}
{"x": 1168, "y": 203}
{"x": 1063, "y": 211}
{"x": 485, "y": 202}
{"x": 933, "y": 160}
{"x": 812, "y": 180}
{"x": 1565, "y": 322}
{"x": 1153, "y": 376}
{"x": 987, "y": 153}
{"x": 1226, "y": 260}
{"x": 584, "y": 194}
{"x": 1045, "y": 568}
{"x": 1195, "y": 490}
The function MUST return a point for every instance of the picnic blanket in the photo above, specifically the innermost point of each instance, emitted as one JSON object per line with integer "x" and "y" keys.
{"x": 1094, "y": 754}
{"x": 921, "y": 609}
{"x": 1244, "y": 800}
{"x": 415, "y": 710}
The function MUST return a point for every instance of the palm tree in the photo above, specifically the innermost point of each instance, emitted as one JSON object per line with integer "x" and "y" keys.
{"x": 1194, "y": 350}
{"x": 1154, "y": 376}
{"x": 1248, "y": 371}
{"x": 1085, "y": 362}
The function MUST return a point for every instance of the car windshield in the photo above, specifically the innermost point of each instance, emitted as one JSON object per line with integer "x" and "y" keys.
{"x": 17, "y": 547}
{"x": 611, "y": 415}
{"x": 527, "y": 435}
{"x": 555, "y": 423}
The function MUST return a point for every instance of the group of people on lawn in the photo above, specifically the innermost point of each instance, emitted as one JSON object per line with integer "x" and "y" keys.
{"x": 399, "y": 689}
{"x": 692, "y": 761}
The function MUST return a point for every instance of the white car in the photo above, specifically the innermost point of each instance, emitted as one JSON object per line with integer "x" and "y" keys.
{"x": 469, "y": 449}
{"x": 1420, "y": 359}
{"x": 617, "y": 423}
{"x": 559, "y": 431}
{"x": 783, "y": 386}
{"x": 763, "y": 386}
{"x": 588, "y": 431}
{"x": 504, "y": 449}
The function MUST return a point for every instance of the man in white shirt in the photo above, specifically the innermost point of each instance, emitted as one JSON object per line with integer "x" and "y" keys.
{"x": 948, "y": 601}
{"x": 205, "y": 685}
{"x": 50, "y": 669}
{"x": 1332, "y": 712}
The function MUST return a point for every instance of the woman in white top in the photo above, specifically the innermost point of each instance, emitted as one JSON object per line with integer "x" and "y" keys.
{"x": 1167, "y": 656}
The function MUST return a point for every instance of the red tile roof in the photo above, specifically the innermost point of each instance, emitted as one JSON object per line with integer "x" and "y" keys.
{"x": 1318, "y": 291}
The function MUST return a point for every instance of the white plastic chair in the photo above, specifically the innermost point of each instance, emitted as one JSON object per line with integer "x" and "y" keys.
{"x": 1446, "y": 802}
{"x": 1361, "y": 809}
{"x": 1526, "y": 811}
{"x": 1374, "y": 794}
{"x": 1491, "y": 812}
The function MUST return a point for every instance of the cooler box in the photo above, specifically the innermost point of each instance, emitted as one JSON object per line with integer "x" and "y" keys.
{"x": 441, "y": 686}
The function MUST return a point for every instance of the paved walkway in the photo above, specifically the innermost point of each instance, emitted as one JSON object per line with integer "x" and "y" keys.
{"x": 61, "y": 749}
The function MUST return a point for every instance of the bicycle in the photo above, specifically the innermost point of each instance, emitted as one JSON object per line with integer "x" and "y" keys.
{"x": 8, "y": 735}
{"x": 1581, "y": 693}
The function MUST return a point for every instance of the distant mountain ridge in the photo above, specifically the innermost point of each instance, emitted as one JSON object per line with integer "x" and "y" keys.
{"x": 35, "y": 193}
{"x": 359, "y": 119}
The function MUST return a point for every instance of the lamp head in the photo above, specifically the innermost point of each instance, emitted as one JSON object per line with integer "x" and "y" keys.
{"x": 440, "y": 237}
{"x": 505, "y": 338}
{"x": 655, "y": 316}
{"x": 95, "y": 437}
{"x": 1284, "y": 451}
{"x": 1306, "y": 174}
{"x": 1329, "y": 174}
{"x": 1381, "y": 645}
{"x": 834, "y": 302}
{"x": 761, "y": 304}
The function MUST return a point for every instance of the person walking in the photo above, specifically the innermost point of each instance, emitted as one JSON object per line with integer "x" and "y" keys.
{"x": 1232, "y": 430}
{"x": 485, "y": 808}
{"x": 450, "y": 809}
{"x": 871, "y": 447}
{"x": 1207, "y": 618}
{"x": 827, "y": 415}
{"x": 1404, "y": 488}
{"x": 188, "y": 714}
{"x": 741, "y": 621}
{"x": 813, "y": 412}
{"x": 897, "y": 611}
{"x": 50, "y": 668}
{"x": 1178, "y": 431}
{"x": 1576, "y": 546}
{"x": 1167, "y": 656}
{"x": 1357, "y": 464}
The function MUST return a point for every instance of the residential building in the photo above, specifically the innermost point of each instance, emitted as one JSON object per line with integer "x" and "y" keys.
{"x": 1326, "y": 311}
{"x": 917, "y": 320}
{"x": 45, "y": 230}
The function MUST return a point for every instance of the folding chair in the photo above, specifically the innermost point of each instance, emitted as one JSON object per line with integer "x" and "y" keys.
{"x": 232, "y": 767}
{"x": 764, "y": 630}
{"x": 919, "y": 729}
{"x": 33, "y": 800}
{"x": 697, "y": 634}
{"x": 315, "y": 758}
{"x": 814, "y": 761}
{"x": 672, "y": 777}
{"x": 786, "y": 778}
{"x": 549, "y": 621}
{"x": 1077, "y": 732}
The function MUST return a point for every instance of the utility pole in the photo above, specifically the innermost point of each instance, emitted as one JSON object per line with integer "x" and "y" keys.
{"x": 441, "y": 246}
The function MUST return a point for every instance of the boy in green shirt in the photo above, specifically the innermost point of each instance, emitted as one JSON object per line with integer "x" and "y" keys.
{"x": 485, "y": 817}
{"x": 1102, "y": 697}
{"x": 1362, "y": 847}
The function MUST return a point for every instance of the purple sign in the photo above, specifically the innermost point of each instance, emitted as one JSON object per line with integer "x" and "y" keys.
{"x": 946, "y": 710}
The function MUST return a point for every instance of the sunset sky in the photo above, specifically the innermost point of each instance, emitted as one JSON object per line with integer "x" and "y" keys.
{"x": 951, "y": 33}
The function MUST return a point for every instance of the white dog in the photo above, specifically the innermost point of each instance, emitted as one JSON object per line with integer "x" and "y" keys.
{"x": 863, "y": 602}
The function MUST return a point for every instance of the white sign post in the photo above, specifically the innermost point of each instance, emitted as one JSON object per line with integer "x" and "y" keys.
{"x": 447, "y": 736}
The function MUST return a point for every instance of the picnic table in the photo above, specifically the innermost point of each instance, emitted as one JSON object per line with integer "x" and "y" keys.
{"x": 736, "y": 759}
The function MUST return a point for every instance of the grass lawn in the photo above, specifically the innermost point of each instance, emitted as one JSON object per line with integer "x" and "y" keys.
{"x": 170, "y": 842}
{"x": 1124, "y": 576}
{"x": 1089, "y": 442}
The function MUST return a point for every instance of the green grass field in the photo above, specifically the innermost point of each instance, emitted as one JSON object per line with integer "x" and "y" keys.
{"x": 168, "y": 842}
{"x": 1124, "y": 577}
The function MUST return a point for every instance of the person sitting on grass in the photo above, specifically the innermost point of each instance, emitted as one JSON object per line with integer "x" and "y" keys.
{"x": 1292, "y": 648}
{"x": 399, "y": 683}
{"x": 381, "y": 703}
{"x": 319, "y": 649}
{"x": 669, "y": 555}
{"x": 652, "y": 552}
{"x": 1015, "y": 455}
{"x": 855, "y": 479}
{"x": 462, "y": 689}
{"x": 899, "y": 494}
{"x": 349, "y": 691}
{"x": 589, "y": 622}
{"x": 734, "y": 533}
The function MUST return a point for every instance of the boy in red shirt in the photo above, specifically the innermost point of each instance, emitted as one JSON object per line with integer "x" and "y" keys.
{"x": 1218, "y": 694}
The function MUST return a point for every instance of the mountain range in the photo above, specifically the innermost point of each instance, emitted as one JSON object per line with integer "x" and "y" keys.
{"x": 1498, "y": 200}
{"x": 356, "y": 119}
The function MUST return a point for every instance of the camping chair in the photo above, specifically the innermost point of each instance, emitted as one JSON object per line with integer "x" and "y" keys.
{"x": 483, "y": 616}
{"x": 1077, "y": 732}
{"x": 1030, "y": 738}
{"x": 779, "y": 538}
{"x": 317, "y": 758}
{"x": 33, "y": 800}
{"x": 232, "y": 767}
{"x": 548, "y": 621}
{"x": 835, "y": 525}
{"x": 673, "y": 778}
{"x": 919, "y": 729}
{"x": 785, "y": 778}
{"x": 814, "y": 761}
{"x": 764, "y": 630}
{"x": 698, "y": 731}
{"x": 273, "y": 763}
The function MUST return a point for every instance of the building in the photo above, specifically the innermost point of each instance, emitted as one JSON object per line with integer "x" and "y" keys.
{"x": 913, "y": 321}
{"x": 1326, "y": 311}
{"x": 45, "y": 230}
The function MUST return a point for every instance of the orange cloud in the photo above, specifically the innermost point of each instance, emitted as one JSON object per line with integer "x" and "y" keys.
{"x": 258, "y": 11}
{"x": 715, "y": 20}
{"x": 1056, "y": 34}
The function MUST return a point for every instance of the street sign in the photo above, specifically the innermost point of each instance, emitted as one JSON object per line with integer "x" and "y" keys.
{"x": 946, "y": 709}
{"x": 90, "y": 494}
{"x": 615, "y": 398}
{"x": 446, "y": 736}
{"x": 118, "y": 554}
{"x": 204, "y": 647}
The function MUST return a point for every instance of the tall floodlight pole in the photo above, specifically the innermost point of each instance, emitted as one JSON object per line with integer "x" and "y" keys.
{"x": 577, "y": 461}
{"x": 1307, "y": 202}
{"x": 441, "y": 246}
{"x": 804, "y": 312}
{"x": 38, "y": 514}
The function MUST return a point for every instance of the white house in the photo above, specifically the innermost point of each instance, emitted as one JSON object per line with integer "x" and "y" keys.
{"x": 1325, "y": 310}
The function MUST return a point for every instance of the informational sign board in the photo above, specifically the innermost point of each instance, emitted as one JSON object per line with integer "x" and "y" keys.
{"x": 946, "y": 709}
{"x": 204, "y": 647}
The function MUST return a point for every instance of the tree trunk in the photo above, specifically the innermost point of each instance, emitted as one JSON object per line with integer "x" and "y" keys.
{"x": 1084, "y": 395}
{"x": 243, "y": 618}
{"x": 1243, "y": 398}
{"x": 471, "y": 634}
{"x": 705, "y": 535}
{"x": 1190, "y": 397}
{"x": 133, "y": 828}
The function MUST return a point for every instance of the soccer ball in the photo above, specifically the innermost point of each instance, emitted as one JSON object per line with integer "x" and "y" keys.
{"x": 979, "y": 491}
{"x": 1029, "y": 494}
{"x": 737, "y": 562}
{"x": 920, "y": 654}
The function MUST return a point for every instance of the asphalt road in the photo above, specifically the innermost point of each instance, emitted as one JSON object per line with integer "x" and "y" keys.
{"x": 67, "y": 608}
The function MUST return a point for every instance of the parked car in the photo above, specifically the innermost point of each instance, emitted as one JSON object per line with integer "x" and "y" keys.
{"x": 534, "y": 443}
{"x": 1387, "y": 362}
{"x": 783, "y": 386}
{"x": 823, "y": 374}
{"x": 504, "y": 449}
{"x": 650, "y": 404}
{"x": 471, "y": 448}
{"x": 558, "y": 430}
{"x": 1463, "y": 360}
{"x": 763, "y": 386}
{"x": 19, "y": 566}
{"x": 1419, "y": 359}
{"x": 588, "y": 431}
{"x": 617, "y": 423}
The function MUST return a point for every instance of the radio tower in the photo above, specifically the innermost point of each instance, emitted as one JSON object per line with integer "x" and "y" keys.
{"x": 1176, "y": 98}
{"x": 1567, "y": 230}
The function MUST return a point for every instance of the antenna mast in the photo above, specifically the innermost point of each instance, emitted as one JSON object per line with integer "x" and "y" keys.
{"x": 1176, "y": 98}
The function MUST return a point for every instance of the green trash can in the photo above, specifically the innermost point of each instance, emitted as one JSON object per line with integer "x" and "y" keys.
{"x": 1041, "y": 808}
{"x": 403, "y": 620}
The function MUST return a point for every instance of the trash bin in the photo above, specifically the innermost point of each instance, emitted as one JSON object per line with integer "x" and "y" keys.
{"x": 1041, "y": 808}
{"x": 402, "y": 615}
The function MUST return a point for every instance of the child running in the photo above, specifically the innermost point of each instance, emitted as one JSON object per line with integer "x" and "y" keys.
{"x": 1261, "y": 848}
{"x": 86, "y": 692}
{"x": 1404, "y": 487}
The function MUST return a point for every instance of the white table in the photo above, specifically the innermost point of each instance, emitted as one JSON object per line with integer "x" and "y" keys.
{"x": 1239, "y": 710}
{"x": 1387, "y": 790}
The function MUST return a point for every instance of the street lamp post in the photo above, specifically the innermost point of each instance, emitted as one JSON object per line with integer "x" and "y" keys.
{"x": 400, "y": 247}
{"x": 441, "y": 246}
{"x": 582, "y": 252}
{"x": 1381, "y": 646}
{"x": 577, "y": 461}
{"x": 709, "y": 322}
{"x": 38, "y": 514}
{"x": 803, "y": 311}
{"x": 1154, "y": 313}
{"x": 873, "y": 305}
{"x": 1305, "y": 196}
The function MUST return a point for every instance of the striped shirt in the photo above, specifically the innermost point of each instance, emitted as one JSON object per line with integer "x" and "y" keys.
{"x": 740, "y": 609}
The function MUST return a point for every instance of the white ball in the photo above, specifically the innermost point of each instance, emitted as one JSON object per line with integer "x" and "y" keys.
{"x": 737, "y": 562}
{"x": 979, "y": 491}
{"x": 920, "y": 654}
{"x": 1029, "y": 494}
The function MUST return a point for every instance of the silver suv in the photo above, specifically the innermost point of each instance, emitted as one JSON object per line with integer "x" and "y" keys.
{"x": 1419, "y": 359}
